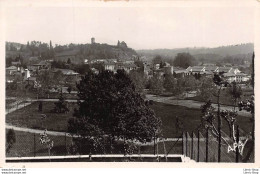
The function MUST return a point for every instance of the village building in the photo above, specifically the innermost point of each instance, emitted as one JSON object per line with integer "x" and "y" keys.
{"x": 224, "y": 69}
{"x": 211, "y": 68}
{"x": 11, "y": 70}
{"x": 18, "y": 63}
{"x": 33, "y": 82}
{"x": 168, "y": 69}
{"x": 180, "y": 72}
{"x": 126, "y": 66}
{"x": 39, "y": 66}
{"x": 196, "y": 69}
{"x": 109, "y": 66}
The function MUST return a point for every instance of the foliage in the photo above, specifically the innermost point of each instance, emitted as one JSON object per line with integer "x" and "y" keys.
{"x": 61, "y": 106}
{"x": 45, "y": 140}
{"x": 248, "y": 105}
{"x": 156, "y": 84}
{"x": 58, "y": 78}
{"x": 46, "y": 80}
{"x": 157, "y": 60}
{"x": 109, "y": 104}
{"x": 206, "y": 88}
{"x": 59, "y": 64}
{"x": 99, "y": 66}
{"x": 189, "y": 83}
{"x": 69, "y": 89}
{"x": 140, "y": 64}
{"x": 169, "y": 82}
{"x": 138, "y": 79}
{"x": 209, "y": 120}
{"x": 68, "y": 61}
{"x": 10, "y": 139}
{"x": 81, "y": 68}
{"x": 184, "y": 60}
{"x": 235, "y": 91}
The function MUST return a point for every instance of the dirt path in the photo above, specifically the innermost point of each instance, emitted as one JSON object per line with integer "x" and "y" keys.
{"x": 190, "y": 103}
{"x": 15, "y": 107}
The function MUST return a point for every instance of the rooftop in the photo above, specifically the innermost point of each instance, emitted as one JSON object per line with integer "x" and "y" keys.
{"x": 11, "y": 68}
{"x": 66, "y": 71}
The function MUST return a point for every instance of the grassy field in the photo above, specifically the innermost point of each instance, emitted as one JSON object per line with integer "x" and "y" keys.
{"x": 9, "y": 101}
{"x": 31, "y": 118}
{"x": 33, "y": 94}
{"x": 225, "y": 98}
{"x": 191, "y": 118}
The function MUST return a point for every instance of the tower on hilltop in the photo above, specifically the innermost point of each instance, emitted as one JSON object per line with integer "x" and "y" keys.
{"x": 92, "y": 40}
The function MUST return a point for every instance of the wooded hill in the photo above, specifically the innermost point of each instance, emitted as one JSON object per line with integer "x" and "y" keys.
{"x": 76, "y": 52}
{"x": 209, "y": 55}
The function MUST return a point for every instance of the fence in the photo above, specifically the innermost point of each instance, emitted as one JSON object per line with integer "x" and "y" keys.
{"x": 203, "y": 147}
{"x": 29, "y": 145}
{"x": 199, "y": 146}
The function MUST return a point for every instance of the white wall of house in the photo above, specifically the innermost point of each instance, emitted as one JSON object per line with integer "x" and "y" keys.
{"x": 110, "y": 67}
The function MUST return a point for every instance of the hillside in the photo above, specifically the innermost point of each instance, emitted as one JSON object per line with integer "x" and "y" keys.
{"x": 96, "y": 51}
{"x": 203, "y": 53}
{"x": 76, "y": 52}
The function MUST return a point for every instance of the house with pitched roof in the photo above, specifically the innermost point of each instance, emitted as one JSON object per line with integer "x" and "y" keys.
{"x": 39, "y": 66}
{"x": 11, "y": 70}
{"x": 180, "y": 72}
{"x": 110, "y": 66}
{"x": 196, "y": 69}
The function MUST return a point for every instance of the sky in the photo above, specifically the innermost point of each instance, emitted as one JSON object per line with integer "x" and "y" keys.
{"x": 140, "y": 28}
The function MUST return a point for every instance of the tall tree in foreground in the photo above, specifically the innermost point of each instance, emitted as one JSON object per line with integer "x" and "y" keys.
{"x": 109, "y": 105}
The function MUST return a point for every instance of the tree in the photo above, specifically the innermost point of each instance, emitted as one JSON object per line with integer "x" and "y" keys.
{"x": 138, "y": 79}
{"x": 46, "y": 80}
{"x": 81, "y": 68}
{"x": 58, "y": 78}
{"x": 189, "y": 84}
{"x": 209, "y": 116}
{"x": 10, "y": 139}
{"x": 156, "y": 84}
{"x": 140, "y": 64}
{"x": 45, "y": 140}
{"x": 69, "y": 89}
{"x": 68, "y": 61}
{"x": 184, "y": 60}
{"x": 61, "y": 106}
{"x": 235, "y": 91}
{"x": 178, "y": 89}
{"x": 99, "y": 66}
{"x": 110, "y": 105}
{"x": 169, "y": 82}
{"x": 157, "y": 60}
{"x": 206, "y": 89}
